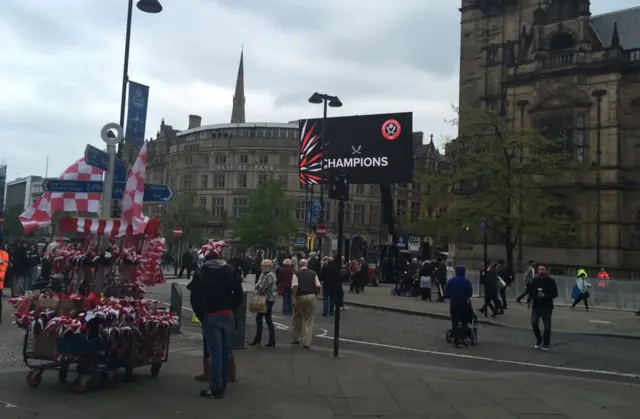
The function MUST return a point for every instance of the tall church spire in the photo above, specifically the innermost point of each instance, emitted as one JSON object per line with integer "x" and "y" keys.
{"x": 237, "y": 112}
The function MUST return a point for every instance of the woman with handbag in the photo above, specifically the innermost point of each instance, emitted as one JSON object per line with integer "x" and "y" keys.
{"x": 581, "y": 290}
{"x": 262, "y": 303}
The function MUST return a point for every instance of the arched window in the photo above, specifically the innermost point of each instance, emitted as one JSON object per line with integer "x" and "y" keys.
{"x": 635, "y": 231}
{"x": 561, "y": 41}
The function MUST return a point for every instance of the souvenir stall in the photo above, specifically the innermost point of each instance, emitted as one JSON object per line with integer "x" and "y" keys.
{"x": 88, "y": 313}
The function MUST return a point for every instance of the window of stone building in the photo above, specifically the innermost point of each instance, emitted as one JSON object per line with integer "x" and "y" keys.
{"x": 239, "y": 204}
{"x": 244, "y": 158}
{"x": 172, "y": 181}
{"x": 188, "y": 160}
{"x": 375, "y": 190}
{"x": 262, "y": 179}
{"x": 561, "y": 41}
{"x": 348, "y": 214}
{"x": 301, "y": 209}
{"x": 220, "y": 158}
{"x": 559, "y": 129}
{"x": 203, "y": 201}
{"x": 204, "y": 160}
{"x": 358, "y": 213}
{"x": 219, "y": 181}
{"x": 360, "y": 189}
{"x": 283, "y": 179}
{"x": 186, "y": 181}
{"x": 204, "y": 135}
{"x": 327, "y": 211}
{"x": 579, "y": 140}
{"x": 415, "y": 211}
{"x": 492, "y": 54}
{"x": 401, "y": 210}
{"x": 217, "y": 206}
{"x": 242, "y": 180}
{"x": 204, "y": 181}
{"x": 284, "y": 159}
{"x": 263, "y": 159}
{"x": 374, "y": 214}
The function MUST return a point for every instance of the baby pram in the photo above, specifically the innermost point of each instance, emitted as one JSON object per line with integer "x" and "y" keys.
{"x": 469, "y": 332}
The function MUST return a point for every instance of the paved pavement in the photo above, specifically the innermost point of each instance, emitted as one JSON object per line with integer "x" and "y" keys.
{"x": 290, "y": 382}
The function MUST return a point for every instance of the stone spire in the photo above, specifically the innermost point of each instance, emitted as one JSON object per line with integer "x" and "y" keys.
{"x": 237, "y": 112}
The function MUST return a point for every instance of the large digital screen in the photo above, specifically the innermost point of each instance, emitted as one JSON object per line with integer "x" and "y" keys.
{"x": 366, "y": 148}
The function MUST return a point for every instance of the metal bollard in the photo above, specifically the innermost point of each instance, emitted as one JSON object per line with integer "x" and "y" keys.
{"x": 176, "y": 305}
{"x": 240, "y": 315}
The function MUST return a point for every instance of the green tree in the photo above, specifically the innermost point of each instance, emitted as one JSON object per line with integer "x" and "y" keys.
{"x": 12, "y": 225}
{"x": 268, "y": 218}
{"x": 185, "y": 211}
{"x": 518, "y": 181}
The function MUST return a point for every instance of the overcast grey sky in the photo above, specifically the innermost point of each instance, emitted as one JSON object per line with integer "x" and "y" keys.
{"x": 61, "y": 65}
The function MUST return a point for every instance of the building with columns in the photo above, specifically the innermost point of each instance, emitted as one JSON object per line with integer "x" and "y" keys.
{"x": 553, "y": 65}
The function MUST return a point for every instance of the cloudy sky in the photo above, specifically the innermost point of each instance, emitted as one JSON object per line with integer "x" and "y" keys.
{"x": 61, "y": 65}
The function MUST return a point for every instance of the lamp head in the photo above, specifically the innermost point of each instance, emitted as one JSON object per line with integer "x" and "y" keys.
{"x": 334, "y": 102}
{"x": 149, "y": 6}
{"x": 316, "y": 98}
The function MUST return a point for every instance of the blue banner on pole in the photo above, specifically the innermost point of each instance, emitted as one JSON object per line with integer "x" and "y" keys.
{"x": 137, "y": 112}
{"x": 313, "y": 210}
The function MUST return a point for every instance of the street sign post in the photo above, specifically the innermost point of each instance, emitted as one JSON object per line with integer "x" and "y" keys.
{"x": 321, "y": 231}
{"x": 178, "y": 231}
{"x": 158, "y": 194}
{"x": 99, "y": 159}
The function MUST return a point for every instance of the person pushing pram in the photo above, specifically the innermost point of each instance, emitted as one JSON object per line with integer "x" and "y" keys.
{"x": 459, "y": 292}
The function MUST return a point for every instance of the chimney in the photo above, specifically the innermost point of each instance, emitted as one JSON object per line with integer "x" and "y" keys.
{"x": 195, "y": 121}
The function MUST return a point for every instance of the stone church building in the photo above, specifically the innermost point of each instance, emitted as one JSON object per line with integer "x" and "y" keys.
{"x": 554, "y": 64}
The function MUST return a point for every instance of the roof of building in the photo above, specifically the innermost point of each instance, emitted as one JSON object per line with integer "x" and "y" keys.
{"x": 242, "y": 125}
{"x": 628, "y": 23}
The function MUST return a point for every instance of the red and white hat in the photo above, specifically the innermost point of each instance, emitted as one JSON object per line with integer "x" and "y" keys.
{"x": 213, "y": 247}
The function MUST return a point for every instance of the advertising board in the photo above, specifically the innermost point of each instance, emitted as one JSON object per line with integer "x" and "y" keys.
{"x": 366, "y": 148}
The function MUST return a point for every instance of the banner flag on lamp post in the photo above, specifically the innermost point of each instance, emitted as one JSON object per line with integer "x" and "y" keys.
{"x": 137, "y": 112}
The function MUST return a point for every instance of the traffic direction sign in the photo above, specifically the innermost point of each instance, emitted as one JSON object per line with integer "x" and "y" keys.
{"x": 321, "y": 231}
{"x": 158, "y": 194}
{"x": 178, "y": 231}
{"x": 97, "y": 158}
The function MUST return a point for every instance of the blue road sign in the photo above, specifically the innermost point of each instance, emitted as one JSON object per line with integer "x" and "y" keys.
{"x": 483, "y": 226}
{"x": 159, "y": 194}
{"x": 97, "y": 158}
{"x": 75, "y": 186}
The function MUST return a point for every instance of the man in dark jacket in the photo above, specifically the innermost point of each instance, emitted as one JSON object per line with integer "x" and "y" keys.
{"x": 215, "y": 294}
{"x": 544, "y": 290}
{"x": 507, "y": 276}
{"x": 314, "y": 263}
{"x": 459, "y": 290}
{"x": 491, "y": 293}
{"x": 441, "y": 277}
{"x": 186, "y": 263}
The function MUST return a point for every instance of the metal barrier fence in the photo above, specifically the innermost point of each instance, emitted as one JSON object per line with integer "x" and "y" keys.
{"x": 617, "y": 295}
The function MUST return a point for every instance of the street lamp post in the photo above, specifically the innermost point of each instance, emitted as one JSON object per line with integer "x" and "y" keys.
{"x": 147, "y": 6}
{"x": 334, "y": 102}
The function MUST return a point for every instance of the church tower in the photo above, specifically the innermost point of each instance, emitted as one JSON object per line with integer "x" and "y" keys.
{"x": 238, "y": 110}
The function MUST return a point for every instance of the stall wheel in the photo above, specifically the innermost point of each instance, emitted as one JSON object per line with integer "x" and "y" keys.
{"x": 155, "y": 369}
{"x": 34, "y": 378}
{"x": 62, "y": 375}
{"x": 81, "y": 385}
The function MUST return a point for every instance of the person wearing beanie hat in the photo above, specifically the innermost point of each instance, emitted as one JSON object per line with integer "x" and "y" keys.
{"x": 459, "y": 291}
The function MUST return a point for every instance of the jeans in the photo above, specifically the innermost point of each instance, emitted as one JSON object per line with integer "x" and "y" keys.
{"x": 543, "y": 314}
{"x": 287, "y": 303}
{"x": 218, "y": 336}
{"x": 267, "y": 317}
{"x": 327, "y": 300}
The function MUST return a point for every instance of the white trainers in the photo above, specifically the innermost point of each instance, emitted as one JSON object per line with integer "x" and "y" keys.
{"x": 537, "y": 346}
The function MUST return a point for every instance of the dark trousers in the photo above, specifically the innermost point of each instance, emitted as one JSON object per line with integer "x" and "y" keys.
{"x": 503, "y": 297}
{"x": 425, "y": 294}
{"x": 491, "y": 302}
{"x": 543, "y": 314}
{"x": 354, "y": 281}
{"x": 267, "y": 317}
{"x": 287, "y": 301}
{"x": 584, "y": 297}
{"x": 188, "y": 268}
{"x": 337, "y": 299}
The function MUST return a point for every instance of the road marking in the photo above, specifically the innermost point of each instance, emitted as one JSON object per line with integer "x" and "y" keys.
{"x": 599, "y": 321}
{"x": 324, "y": 335}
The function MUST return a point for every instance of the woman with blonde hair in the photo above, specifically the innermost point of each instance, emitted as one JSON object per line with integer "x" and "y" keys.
{"x": 266, "y": 286}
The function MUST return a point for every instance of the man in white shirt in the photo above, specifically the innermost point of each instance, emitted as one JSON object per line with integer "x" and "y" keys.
{"x": 305, "y": 286}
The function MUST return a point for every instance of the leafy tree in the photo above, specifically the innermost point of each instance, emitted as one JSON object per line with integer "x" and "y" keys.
{"x": 518, "y": 181}
{"x": 12, "y": 225}
{"x": 268, "y": 218}
{"x": 188, "y": 213}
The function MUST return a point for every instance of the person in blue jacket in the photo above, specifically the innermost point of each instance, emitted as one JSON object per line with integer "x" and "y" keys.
{"x": 459, "y": 290}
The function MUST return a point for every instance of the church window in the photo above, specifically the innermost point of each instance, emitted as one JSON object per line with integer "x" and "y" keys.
{"x": 567, "y": 133}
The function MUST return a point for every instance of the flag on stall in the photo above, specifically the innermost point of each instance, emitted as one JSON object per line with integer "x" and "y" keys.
{"x": 133, "y": 195}
{"x": 40, "y": 213}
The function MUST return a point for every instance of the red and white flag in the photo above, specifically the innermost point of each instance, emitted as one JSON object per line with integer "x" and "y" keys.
{"x": 133, "y": 196}
{"x": 39, "y": 215}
